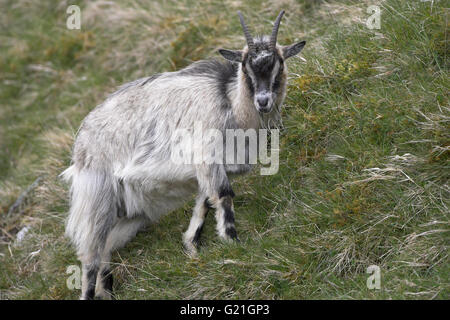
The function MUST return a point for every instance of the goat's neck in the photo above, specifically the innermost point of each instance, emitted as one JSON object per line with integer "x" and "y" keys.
{"x": 243, "y": 107}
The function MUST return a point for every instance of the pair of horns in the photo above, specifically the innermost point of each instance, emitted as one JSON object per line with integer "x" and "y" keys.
{"x": 273, "y": 36}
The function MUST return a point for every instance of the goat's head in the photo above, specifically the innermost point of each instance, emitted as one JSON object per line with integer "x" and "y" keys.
{"x": 263, "y": 65}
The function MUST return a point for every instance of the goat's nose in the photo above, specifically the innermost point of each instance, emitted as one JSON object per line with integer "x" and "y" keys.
{"x": 262, "y": 101}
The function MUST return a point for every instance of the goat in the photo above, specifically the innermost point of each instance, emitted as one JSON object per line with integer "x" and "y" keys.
{"x": 121, "y": 174}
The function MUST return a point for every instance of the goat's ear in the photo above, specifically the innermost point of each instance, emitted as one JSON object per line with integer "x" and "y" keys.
{"x": 293, "y": 49}
{"x": 231, "y": 55}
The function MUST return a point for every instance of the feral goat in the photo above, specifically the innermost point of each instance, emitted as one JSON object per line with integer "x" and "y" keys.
{"x": 121, "y": 174}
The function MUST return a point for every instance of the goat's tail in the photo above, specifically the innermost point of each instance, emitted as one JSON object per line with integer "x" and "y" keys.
{"x": 92, "y": 210}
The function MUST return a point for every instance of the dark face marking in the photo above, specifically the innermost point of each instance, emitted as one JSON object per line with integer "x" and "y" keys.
{"x": 263, "y": 71}
{"x": 249, "y": 84}
{"x": 262, "y": 63}
{"x": 262, "y": 66}
{"x": 277, "y": 82}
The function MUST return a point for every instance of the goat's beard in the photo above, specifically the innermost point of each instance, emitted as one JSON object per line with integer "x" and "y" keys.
{"x": 271, "y": 120}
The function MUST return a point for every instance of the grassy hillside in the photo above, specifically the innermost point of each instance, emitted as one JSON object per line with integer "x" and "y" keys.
{"x": 364, "y": 162}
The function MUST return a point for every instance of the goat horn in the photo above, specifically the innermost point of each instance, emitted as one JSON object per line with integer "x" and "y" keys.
{"x": 248, "y": 36}
{"x": 273, "y": 37}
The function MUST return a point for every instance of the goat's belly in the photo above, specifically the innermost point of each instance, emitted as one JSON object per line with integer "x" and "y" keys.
{"x": 158, "y": 201}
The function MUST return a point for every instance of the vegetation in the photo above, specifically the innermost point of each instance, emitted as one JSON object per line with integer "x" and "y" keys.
{"x": 364, "y": 161}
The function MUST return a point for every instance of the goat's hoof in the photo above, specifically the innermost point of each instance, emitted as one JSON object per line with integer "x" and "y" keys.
{"x": 228, "y": 239}
{"x": 235, "y": 240}
{"x": 103, "y": 295}
{"x": 190, "y": 250}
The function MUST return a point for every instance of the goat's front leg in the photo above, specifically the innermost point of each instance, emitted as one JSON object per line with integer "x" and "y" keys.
{"x": 214, "y": 182}
{"x": 225, "y": 215}
{"x": 191, "y": 237}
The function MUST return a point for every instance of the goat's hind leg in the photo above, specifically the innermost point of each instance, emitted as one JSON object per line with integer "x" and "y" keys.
{"x": 88, "y": 281}
{"x": 104, "y": 282}
{"x": 91, "y": 260}
{"x": 191, "y": 237}
{"x": 123, "y": 231}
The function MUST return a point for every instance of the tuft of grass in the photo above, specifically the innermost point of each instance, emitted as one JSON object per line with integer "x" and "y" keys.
{"x": 364, "y": 162}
